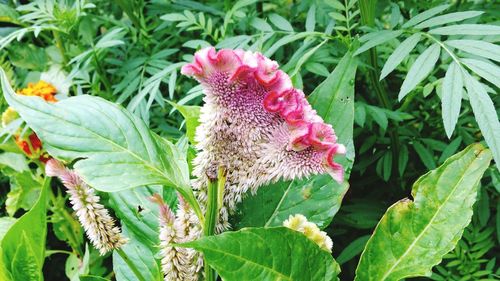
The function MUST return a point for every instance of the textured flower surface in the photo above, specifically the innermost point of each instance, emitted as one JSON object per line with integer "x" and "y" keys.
{"x": 98, "y": 224}
{"x": 257, "y": 125}
{"x": 177, "y": 263}
{"x": 299, "y": 223}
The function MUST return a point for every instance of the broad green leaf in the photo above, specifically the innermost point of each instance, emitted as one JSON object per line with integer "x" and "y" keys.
{"x": 8, "y": 14}
{"x": 377, "y": 40}
{"x": 26, "y": 237}
{"x": 317, "y": 198}
{"x": 447, "y": 18}
{"x": 413, "y": 236}
{"x": 25, "y": 264}
{"x": 191, "y": 114}
{"x": 261, "y": 25}
{"x": 485, "y": 69}
{"x": 280, "y": 22}
{"x": 420, "y": 69}
{"x": 485, "y": 114}
{"x": 333, "y": 99}
{"x": 15, "y": 161}
{"x": 467, "y": 29}
{"x": 266, "y": 254}
{"x": 399, "y": 54}
{"x": 477, "y": 47}
{"x": 425, "y": 15}
{"x": 451, "y": 97}
{"x": 353, "y": 249}
{"x": 118, "y": 150}
{"x": 135, "y": 211}
{"x": 140, "y": 255}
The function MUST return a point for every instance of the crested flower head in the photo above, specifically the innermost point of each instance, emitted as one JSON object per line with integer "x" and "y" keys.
{"x": 299, "y": 223}
{"x": 98, "y": 224}
{"x": 257, "y": 125}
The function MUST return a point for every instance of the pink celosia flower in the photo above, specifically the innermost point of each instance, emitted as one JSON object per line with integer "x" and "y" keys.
{"x": 257, "y": 125}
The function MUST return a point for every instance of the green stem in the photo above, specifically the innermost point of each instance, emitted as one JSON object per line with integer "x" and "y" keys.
{"x": 60, "y": 46}
{"x": 214, "y": 203}
{"x": 102, "y": 74}
{"x": 132, "y": 266}
{"x": 367, "y": 8}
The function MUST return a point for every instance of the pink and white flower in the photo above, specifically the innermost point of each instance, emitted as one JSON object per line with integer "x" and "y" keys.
{"x": 257, "y": 125}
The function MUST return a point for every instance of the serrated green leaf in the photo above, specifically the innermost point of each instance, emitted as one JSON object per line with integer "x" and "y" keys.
{"x": 317, "y": 198}
{"x": 447, "y": 18}
{"x": 467, "y": 29}
{"x": 413, "y": 236}
{"x": 425, "y": 15}
{"x": 476, "y": 47}
{"x": 399, "y": 54}
{"x": 266, "y": 254}
{"x": 451, "y": 97}
{"x": 420, "y": 69}
{"x": 280, "y": 22}
{"x": 333, "y": 99}
{"x": 485, "y": 114}
{"x": 118, "y": 150}
{"x": 377, "y": 40}
{"x": 485, "y": 69}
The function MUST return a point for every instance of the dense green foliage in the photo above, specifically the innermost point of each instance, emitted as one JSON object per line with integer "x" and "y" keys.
{"x": 410, "y": 87}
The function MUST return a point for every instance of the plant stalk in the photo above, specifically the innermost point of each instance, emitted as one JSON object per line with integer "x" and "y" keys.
{"x": 214, "y": 203}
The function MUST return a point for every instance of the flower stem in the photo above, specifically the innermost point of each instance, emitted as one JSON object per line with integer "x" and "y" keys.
{"x": 214, "y": 203}
{"x": 60, "y": 46}
{"x": 129, "y": 263}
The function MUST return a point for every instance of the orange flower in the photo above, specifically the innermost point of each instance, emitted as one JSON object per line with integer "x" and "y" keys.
{"x": 40, "y": 89}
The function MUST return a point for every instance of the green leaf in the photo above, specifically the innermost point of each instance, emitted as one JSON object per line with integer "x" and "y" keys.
{"x": 425, "y": 155}
{"x": 266, "y": 254}
{"x": 399, "y": 54}
{"x": 425, "y": 15}
{"x": 140, "y": 255}
{"x": 477, "y": 47}
{"x": 311, "y": 18}
{"x": 8, "y": 14}
{"x": 191, "y": 114}
{"x": 377, "y": 40}
{"x": 353, "y": 249}
{"x": 92, "y": 278}
{"x": 451, "y": 97}
{"x": 317, "y": 198}
{"x": 25, "y": 265}
{"x": 485, "y": 114}
{"x": 467, "y": 29}
{"x": 485, "y": 69}
{"x": 420, "y": 69}
{"x": 413, "y": 236}
{"x": 333, "y": 99}
{"x": 134, "y": 209}
{"x": 280, "y": 22}
{"x": 118, "y": 150}
{"x": 447, "y": 18}
{"x": 26, "y": 237}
